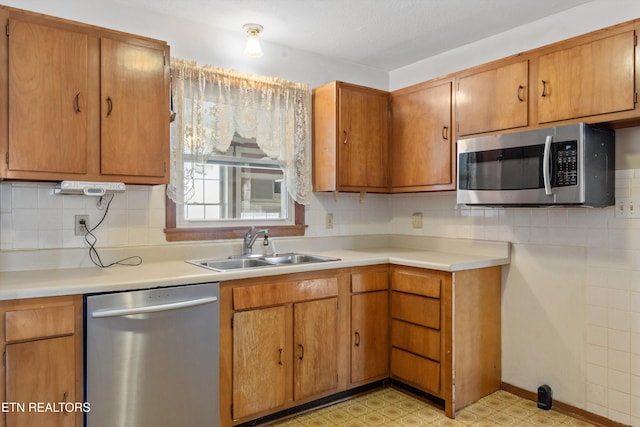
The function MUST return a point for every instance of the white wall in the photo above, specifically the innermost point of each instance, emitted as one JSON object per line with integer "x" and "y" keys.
{"x": 571, "y": 311}
{"x": 572, "y": 22}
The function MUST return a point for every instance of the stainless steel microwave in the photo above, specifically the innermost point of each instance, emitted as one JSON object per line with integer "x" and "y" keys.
{"x": 571, "y": 165}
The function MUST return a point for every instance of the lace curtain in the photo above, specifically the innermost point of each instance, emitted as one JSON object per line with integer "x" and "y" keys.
{"x": 211, "y": 104}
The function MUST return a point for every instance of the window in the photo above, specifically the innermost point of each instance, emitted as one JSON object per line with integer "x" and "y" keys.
{"x": 240, "y": 154}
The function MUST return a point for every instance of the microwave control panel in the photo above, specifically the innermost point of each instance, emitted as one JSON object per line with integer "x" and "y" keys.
{"x": 566, "y": 164}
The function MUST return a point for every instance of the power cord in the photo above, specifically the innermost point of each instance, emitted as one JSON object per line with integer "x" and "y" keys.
{"x": 91, "y": 240}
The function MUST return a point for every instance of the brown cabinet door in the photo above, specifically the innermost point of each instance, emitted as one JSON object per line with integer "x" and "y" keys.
{"x": 421, "y": 147}
{"x": 48, "y": 95}
{"x": 587, "y": 80}
{"x": 41, "y": 371}
{"x": 363, "y": 138}
{"x": 259, "y": 369}
{"x": 315, "y": 347}
{"x": 134, "y": 109}
{"x": 493, "y": 100}
{"x": 369, "y": 336}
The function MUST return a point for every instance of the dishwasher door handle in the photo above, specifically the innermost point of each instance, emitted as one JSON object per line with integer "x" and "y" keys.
{"x": 152, "y": 308}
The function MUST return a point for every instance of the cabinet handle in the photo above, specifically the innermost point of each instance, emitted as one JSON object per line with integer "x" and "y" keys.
{"x": 301, "y": 352}
{"x": 76, "y": 102}
{"x": 64, "y": 399}
{"x": 520, "y": 98}
{"x": 280, "y": 356}
{"x": 357, "y": 339}
{"x": 544, "y": 88}
{"x": 109, "y": 106}
{"x": 445, "y": 132}
{"x": 346, "y": 136}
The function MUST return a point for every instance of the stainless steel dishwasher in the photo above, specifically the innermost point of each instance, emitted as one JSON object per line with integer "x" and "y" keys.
{"x": 151, "y": 357}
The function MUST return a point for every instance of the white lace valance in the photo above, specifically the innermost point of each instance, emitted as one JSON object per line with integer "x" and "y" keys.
{"x": 212, "y": 104}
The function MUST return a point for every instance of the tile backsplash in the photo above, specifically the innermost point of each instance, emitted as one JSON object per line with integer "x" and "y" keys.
{"x": 32, "y": 216}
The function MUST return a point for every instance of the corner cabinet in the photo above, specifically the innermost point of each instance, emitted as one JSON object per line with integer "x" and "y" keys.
{"x": 422, "y": 148}
{"x": 42, "y": 339}
{"x": 445, "y": 333}
{"x": 96, "y": 110}
{"x": 350, "y": 138}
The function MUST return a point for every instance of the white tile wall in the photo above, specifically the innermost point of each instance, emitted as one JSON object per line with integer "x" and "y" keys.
{"x": 32, "y": 216}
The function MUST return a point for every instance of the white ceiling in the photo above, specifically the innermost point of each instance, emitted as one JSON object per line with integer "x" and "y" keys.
{"x": 385, "y": 34}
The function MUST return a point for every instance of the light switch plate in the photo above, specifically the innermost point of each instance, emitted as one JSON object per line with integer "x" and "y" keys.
{"x": 416, "y": 220}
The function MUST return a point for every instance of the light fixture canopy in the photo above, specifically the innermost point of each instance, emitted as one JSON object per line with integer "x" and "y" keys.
{"x": 253, "y": 49}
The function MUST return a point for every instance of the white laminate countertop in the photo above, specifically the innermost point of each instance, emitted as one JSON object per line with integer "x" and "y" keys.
{"x": 70, "y": 281}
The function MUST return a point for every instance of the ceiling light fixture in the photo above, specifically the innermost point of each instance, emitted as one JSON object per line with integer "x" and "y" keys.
{"x": 253, "y": 49}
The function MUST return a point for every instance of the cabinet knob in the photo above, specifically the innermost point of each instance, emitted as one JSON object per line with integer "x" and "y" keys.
{"x": 300, "y": 351}
{"x": 520, "y": 93}
{"x": 280, "y": 356}
{"x": 346, "y": 136}
{"x": 357, "y": 337}
{"x": 445, "y": 132}
{"x": 65, "y": 396}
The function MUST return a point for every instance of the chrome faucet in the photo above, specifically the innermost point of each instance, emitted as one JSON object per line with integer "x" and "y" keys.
{"x": 250, "y": 238}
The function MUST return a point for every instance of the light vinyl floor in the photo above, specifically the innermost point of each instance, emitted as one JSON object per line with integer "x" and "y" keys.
{"x": 392, "y": 407}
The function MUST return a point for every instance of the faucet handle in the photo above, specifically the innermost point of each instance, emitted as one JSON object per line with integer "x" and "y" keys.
{"x": 265, "y": 242}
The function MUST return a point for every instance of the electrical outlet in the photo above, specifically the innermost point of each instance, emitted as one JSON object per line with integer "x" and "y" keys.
{"x": 81, "y": 225}
{"x": 416, "y": 220}
{"x": 329, "y": 220}
{"x": 627, "y": 208}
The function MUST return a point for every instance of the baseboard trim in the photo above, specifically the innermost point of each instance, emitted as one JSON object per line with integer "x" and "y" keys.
{"x": 564, "y": 408}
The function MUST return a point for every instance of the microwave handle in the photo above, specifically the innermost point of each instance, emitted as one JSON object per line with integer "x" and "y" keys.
{"x": 546, "y": 165}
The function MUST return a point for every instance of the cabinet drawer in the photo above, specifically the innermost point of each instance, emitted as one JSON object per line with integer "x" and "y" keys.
{"x": 415, "y": 370}
{"x": 21, "y": 325}
{"x": 416, "y": 339}
{"x": 416, "y": 309}
{"x": 283, "y": 293}
{"x": 370, "y": 281}
{"x": 417, "y": 282}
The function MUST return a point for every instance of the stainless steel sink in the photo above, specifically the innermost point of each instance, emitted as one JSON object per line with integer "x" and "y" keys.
{"x": 254, "y": 261}
{"x": 297, "y": 258}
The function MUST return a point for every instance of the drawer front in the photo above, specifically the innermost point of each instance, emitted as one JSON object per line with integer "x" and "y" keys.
{"x": 416, "y": 339}
{"x": 267, "y": 294}
{"x": 21, "y": 325}
{"x": 370, "y": 281}
{"x": 416, "y": 309}
{"x": 425, "y": 283}
{"x": 415, "y": 370}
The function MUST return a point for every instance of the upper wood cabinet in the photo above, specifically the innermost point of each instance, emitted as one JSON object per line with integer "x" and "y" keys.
{"x": 134, "y": 109}
{"x": 351, "y": 138}
{"x": 48, "y": 89}
{"x": 588, "y": 79}
{"x": 83, "y": 103}
{"x": 493, "y": 99}
{"x": 422, "y": 148}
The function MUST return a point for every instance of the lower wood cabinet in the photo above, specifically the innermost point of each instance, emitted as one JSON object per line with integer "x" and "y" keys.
{"x": 292, "y": 339}
{"x": 446, "y": 334}
{"x": 284, "y": 339}
{"x": 369, "y": 325}
{"x": 42, "y": 339}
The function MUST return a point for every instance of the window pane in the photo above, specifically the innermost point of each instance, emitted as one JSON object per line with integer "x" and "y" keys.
{"x": 240, "y": 184}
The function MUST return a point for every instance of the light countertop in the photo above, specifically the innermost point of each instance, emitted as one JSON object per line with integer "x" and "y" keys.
{"x": 69, "y": 281}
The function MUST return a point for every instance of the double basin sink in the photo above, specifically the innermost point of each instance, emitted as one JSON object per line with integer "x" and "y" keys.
{"x": 244, "y": 262}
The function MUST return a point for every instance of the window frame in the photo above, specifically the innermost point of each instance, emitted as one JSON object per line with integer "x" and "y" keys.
{"x": 181, "y": 234}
